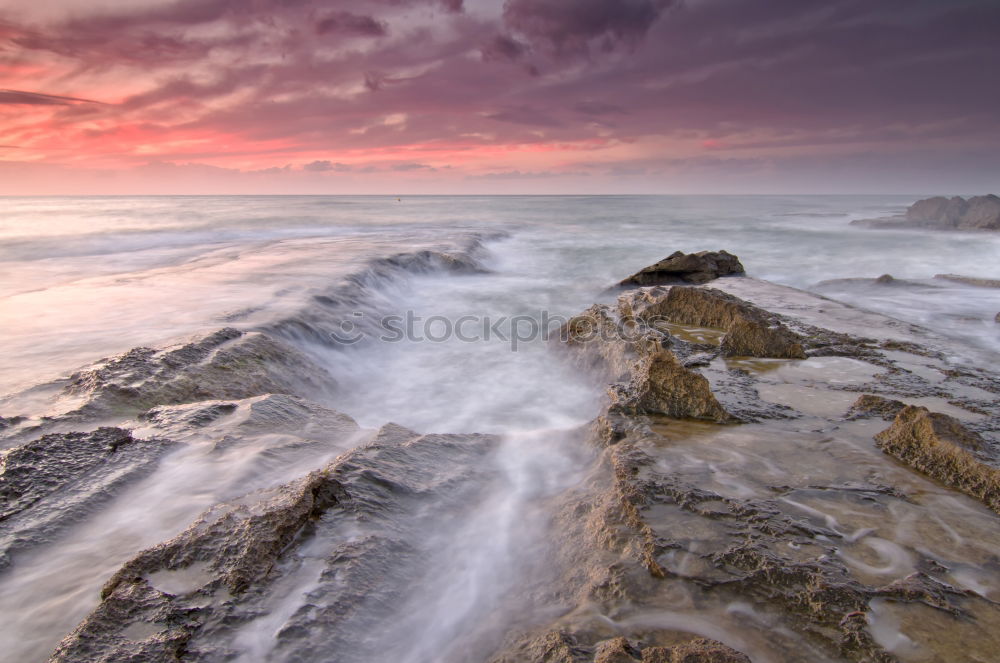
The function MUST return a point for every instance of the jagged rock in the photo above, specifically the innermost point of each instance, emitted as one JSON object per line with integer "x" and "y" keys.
{"x": 701, "y": 650}
{"x": 7, "y": 422}
{"x": 680, "y": 267}
{"x": 982, "y": 212}
{"x": 946, "y": 212}
{"x": 747, "y": 338}
{"x": 371, "y": 509}
{"x": 661, "y": 385}
{"x": 225, "y": 365}
{"x": 751, "y": 331}
{"x": 48, "y": 484}
{"x": 956, "y": 213}
{"x": 648, "y": 377}
{"x": 618, "y": 650}
{"x": 941, "y": 447}
{"x": 870, "y": 405}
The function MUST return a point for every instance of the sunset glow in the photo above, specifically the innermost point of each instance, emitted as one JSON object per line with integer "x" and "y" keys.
{"x": 534, "y": 96}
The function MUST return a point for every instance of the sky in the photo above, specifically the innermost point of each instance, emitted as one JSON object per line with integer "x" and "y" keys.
{"x": 490, "y": 96}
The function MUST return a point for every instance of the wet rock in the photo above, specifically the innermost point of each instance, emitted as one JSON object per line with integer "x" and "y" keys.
{"x": 366, "y": 515}
{"x": 618, "y": 650}
{"x": 194, "y": 415}
{"x": 48, "y": 484}
{"x": 553, "y": 647}
{"x": 870, "y": 405}
{"x": 661, "y": 385}
{"x": 7, "y": 422}
{"x": 701, "y": 650}
{"x": 225, "y": 365}
{"x": 648, "y": 377}
{"x": 680, "y": 267}
{"x": 970, "y": 280}
{"x": 884, "y": 281}
{"x": 747, "y": 338}
{"x": 750, "y": 331}
{"x": 941, "y": 447}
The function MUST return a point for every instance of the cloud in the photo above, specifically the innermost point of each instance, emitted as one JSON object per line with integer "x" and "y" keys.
{"x": 346, "y": 23}
{"x": 503, "y": 47}
{"x": 255, "y": 84}
{"x": 325, "y": 166}
{"x": 39, "y": 99}
{"x": 575, "y": 26}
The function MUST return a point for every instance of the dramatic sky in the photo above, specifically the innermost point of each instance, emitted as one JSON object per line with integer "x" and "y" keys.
{"x": 493, "y": 96}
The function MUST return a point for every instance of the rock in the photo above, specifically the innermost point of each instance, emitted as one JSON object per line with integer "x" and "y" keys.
{"x": 365, "y": 516}
{"x": 749, "y": 338}
{"x": 751, "y": 331}
{"x": 940, "y": 213}
{"x": 941, "y": 447}
{"x": 50, "y": 483}
{"x": 870, "y": 405}
{"x": 682, "y": 267}
{"x": 7, "y": 422}
{"x": 618, "y": 650}
{"x": 970, "y": 280}
{"x": 996, "y": 318}
{"x": 885, "y": 278}
{"x": 647, "y": 377}
{"x": 661, "y": 385}
{"x": 225, "y": 365}
{"x": 701, "y": 650}
{"x": 982, "y": 212}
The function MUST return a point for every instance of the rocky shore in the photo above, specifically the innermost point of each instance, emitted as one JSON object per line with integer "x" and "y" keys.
{"x": 773, "y": 476}
{"x": 940, "y": 213}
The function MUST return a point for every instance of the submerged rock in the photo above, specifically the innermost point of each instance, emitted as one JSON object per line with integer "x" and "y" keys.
{"x": 970, "y": 280}
{"x": 680, "y": 267}
{"x": 50, "y": 483}
{"x": 941, "y": 447}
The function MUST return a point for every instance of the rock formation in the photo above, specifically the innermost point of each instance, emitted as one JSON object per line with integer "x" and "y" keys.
{"x": 970, "y": 280}
{"x": 50, "y": 483}
{"x": 941, "y": 447}
{"x": 680, "y": 267}
{"x": 940, "y": 213}
{"x": 750, "y": 331}
{"x": 185, "y": 599}
{"x": 773, "y": 537}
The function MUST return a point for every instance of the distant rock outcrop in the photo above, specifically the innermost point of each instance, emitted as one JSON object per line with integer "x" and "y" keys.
{"x": 941, "y": 213}
{"x": 687, "y": 268}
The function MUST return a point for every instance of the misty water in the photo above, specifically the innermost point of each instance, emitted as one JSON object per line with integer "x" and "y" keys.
{"x": 86, "y": 278}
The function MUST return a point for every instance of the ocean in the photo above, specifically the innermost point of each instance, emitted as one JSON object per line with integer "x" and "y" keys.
{"x": 84, "y": 278}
